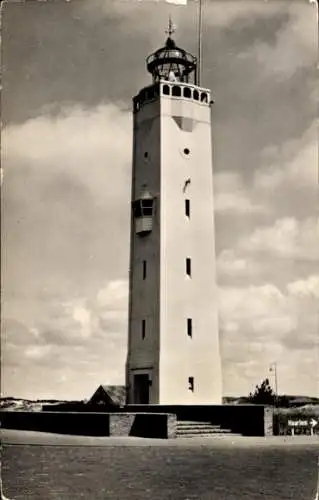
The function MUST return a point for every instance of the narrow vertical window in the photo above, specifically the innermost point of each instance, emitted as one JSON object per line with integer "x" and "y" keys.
{"x": 187, "y": 208}
{"x": 188, "y": 267}
{"x": 189, "y": 327}
{"x": 143, "y": 328}
{"x": 144, "y": 269}
{"x": 191, "y": 383}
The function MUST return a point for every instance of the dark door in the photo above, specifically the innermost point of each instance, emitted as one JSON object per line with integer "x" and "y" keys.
{"x": 141, "y": 389}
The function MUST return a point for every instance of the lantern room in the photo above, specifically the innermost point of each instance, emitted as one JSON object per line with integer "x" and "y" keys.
{"x": 143, "y": 209}
{"x": 172, "y": 63}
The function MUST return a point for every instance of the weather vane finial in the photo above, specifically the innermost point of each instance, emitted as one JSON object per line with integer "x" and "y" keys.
{"x": 171, "y": 28}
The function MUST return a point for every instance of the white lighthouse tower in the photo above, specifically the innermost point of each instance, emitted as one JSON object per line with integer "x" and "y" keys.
{"x": 173, "y": 346}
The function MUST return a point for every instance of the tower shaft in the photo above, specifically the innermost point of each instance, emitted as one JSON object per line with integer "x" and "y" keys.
{"x": 173, "y": 349}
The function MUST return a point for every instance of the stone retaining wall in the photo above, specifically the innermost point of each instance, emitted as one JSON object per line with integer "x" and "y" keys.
{"x": 141, "y": 424}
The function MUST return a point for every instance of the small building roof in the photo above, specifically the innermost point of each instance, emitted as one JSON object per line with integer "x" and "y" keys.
{"x": 109, "y": 395}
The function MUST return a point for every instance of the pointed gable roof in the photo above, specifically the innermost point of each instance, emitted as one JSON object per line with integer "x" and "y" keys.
{"x": 109, "y": 395}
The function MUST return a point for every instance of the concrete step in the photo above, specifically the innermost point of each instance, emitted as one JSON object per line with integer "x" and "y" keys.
{"x": 213, "y": 435}
{"x": 186, "y": 428}
{"x": 197, "y": 426}
{"x": 196, "y": 422}
{"x": 206, "y": 430}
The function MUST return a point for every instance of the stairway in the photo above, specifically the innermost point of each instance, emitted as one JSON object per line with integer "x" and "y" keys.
{"x": 188, "y": 429}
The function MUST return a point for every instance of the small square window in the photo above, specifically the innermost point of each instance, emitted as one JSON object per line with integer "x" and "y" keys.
{"x": 187, "y": 208}
{"x": 143, "y": 329}
{"x": 188, "y": 267}
{"x": 144, "y": 269}
{"x": 191, "y": 383}
{"x": 189, "y": 327}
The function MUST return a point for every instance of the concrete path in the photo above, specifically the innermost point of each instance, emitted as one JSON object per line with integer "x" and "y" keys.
{"x": 14, "y": 437}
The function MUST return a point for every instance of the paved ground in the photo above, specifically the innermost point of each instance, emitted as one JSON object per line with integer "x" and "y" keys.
{"x": 40, "y": 466}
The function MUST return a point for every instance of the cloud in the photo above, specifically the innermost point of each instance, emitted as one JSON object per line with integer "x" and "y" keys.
{"x": 277, "y": 253}
{"x": 37, "y": 352}
{"x": 84, "y": 335}
{"x": 66, "y": 191}
{"x": 282, "y": 59}
{"x": 116, "y": 292}
{"x": 223, "y": 14}
{"x": 267, "y": 304}
{"x": 281, "y": 325}
{"x": 305, "y": 288}
{"x": 234, "y": 202}
{"x": 281, "y": 239}
{"x": 260, "y": 324}
{"x": 250, "y": 301}
{"x": 65, "y": 220}
{"x": 82, "y": 316}
{"x": 229, "y": 264}
{"x": 15, "y": 332}
{"x": 286, "y": 238}
{"x": 287, "y": 180}
{"x": 285, "y": 184}
{"x": 84, "y": 321}
{"x": 232, "y": 196}
{"x": 294, "y": 166}
{"x": 216, "y": 13}
{"x": 78, "y": 142}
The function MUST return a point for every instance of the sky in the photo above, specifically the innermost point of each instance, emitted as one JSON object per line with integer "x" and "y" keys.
{"x": 70, "y": 70}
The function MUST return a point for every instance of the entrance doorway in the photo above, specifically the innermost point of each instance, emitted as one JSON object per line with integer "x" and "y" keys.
{"x": 141, "y": 389}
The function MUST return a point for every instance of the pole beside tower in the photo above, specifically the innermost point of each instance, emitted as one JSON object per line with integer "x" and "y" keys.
{"x": 200, "y": 42}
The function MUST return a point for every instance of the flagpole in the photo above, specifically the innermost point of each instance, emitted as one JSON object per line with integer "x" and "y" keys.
{"x": 276, "y": 382}
{"x": 273, "y": 367}
{"x": 199, "y": 59}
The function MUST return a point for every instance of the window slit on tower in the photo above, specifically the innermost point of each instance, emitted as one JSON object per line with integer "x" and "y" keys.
{"x": 187, "y": 208}
{"x": 143, "y": 328}
{"x": 144, "y": 269}
{"x": 189, "y": 327}
{"x": 191, "y": 383}
{"x": 188, "y": 267}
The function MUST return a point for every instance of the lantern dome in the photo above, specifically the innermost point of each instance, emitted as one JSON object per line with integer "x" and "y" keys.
{"x": 171, "y": 62}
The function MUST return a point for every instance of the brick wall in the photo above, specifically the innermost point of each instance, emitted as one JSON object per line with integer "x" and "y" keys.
{"x": 121, "y": 424}
{"x": 269, "y": 421}
{"x": 171, "y": 426}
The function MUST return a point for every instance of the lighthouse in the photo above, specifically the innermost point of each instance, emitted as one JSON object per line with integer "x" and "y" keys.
{"x": 173, "y": 336}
